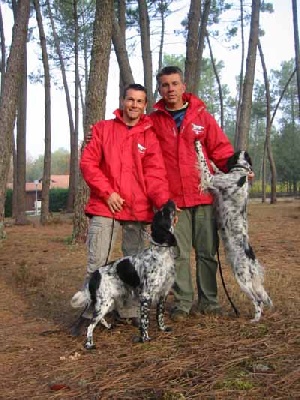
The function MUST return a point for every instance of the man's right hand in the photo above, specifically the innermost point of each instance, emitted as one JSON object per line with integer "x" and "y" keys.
{"x": 115, "y": 202}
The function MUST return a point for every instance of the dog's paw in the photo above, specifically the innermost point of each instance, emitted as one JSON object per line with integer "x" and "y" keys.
{"x": 89, "y": 346}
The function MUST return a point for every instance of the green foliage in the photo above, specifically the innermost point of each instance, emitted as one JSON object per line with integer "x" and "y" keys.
{"x": 60, "y": 160}
{"x": 286, "y": 146}
{"x": 8, "y": 204}
{"x": 58, "y": 199}
{"x": 267, "y": 7}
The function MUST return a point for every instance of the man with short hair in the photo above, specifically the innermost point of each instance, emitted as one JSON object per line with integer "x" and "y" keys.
{"x": 179, "y": 120}
{"x": 124, "y": 169}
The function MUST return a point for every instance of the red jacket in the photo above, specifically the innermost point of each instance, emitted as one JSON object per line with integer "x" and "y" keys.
{"x": 126, "y": 161}
{"x": 179, "y": 149}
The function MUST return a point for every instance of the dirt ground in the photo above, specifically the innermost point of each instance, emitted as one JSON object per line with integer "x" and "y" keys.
{"x": 203, "y": 358}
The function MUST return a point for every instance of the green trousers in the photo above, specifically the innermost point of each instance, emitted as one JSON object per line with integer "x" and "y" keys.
{"x": 196, "y": 228}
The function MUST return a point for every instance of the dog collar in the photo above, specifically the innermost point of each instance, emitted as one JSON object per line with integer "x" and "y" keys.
{"x": 238, "y": 166}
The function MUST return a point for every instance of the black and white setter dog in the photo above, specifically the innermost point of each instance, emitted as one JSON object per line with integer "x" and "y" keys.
{"x": 231, "y": 193}
{"x": 147, "y": 276}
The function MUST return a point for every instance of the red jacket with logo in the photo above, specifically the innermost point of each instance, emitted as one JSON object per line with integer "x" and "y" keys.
{"x": 179, "y": 153}
{"x": 126, "y": 161}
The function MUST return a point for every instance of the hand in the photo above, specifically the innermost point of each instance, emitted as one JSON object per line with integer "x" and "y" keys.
{"x": 178, "y": 210}
{"x": 115, "y": 202}
{"x": 251, "y": 176}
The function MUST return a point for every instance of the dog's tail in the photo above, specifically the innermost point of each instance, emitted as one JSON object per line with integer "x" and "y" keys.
{"x": 81, "y": 299}
{"x": 87, "y": 295}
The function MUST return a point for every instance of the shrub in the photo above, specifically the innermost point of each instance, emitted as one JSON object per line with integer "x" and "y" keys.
{"x": 8, "y": 204}
{"x": 58, "y": 200}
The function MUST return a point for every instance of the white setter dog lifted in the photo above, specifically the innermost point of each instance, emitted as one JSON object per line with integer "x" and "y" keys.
{"x": 231, "y": 192}
{"x": 147, "y": 276}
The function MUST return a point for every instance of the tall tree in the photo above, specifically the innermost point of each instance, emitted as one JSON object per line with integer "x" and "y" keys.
{"x": 119, "y": 42}
{"x": 9, "y": 97}
{"x": 213, "y": 62}
{"x": 3, "y": 51}
{"x": 73, "y": 139}
{"x": 47, "y": 85}
{"x": 192, "y": 45}
{"x": 144, "y": 22}
{"x": 268, "y": 148}
{"x": 297, "y": 51}
{"x": 245, "y": 113}
{"x": 241, "y": 74}
{"x": 96, "y": 97}
{"x": 73, "y": 181}
{"x": 19, "y": 150}
{"x": 19, "y": 191}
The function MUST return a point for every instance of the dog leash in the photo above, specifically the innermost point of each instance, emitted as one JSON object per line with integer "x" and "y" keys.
{"x": 237, "y": 313}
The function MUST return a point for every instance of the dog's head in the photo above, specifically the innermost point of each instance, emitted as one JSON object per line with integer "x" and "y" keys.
{"x": 162, "y": 227}
{"x": 240, "y": 159}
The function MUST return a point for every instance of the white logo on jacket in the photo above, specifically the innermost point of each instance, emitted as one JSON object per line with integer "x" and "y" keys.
{"x": 197, "y": 129}
{"x": 141, "y": 148}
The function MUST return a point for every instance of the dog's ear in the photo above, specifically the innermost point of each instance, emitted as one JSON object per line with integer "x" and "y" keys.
{"x": 248, "y": 158}
{"x": 161, "y": 227}
{"x": 171, "y": 239}
{"x": 231, "y": 162}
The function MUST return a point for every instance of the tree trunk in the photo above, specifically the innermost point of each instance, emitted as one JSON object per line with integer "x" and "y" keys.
{"x": 119, "y": 42}
{"x": 197, "y": 25}
{"x": 9, "y": 98}
{"x": 218, "y": 82}
{"x": 162, "y": 8}
{"x": 20, "y": 183}
{"x": 190, "y": 69}
{"x": 202, "y": 35}
{"x": 67, "y": 93}
{"x": 146, "y": 51}
{"x": 241, "y": 76}
{"x": 95, "y": 99}
{"x": 121, "y": 13}
{"x": 3, "y": 52}
{"x": 268, "y": 127}
{"x": 244, "y": 121}
{"x": 73, "y": 181}
{"x": 297, "y": 51}
{"x": 47, "y": 81}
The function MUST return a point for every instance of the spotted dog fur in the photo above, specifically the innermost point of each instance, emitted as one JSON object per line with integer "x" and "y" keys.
{"x": 147, "y": 276}
{"x": 231, "y": 193}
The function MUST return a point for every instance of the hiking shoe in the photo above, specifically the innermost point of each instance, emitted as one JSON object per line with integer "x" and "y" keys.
{"x": 178, "y": 315}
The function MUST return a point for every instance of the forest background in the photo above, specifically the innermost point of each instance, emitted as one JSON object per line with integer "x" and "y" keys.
{"x": 78, "y": 41}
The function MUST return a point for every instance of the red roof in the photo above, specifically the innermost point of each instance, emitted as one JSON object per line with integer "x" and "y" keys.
{"x": 57, "y": 182}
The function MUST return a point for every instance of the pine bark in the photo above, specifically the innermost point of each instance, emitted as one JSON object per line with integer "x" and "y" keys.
{"x": 9, "y": 98}
{"x": 146, "y": 51}
{"x": 95, "y": 99}
{"x": 245, "y": 115}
